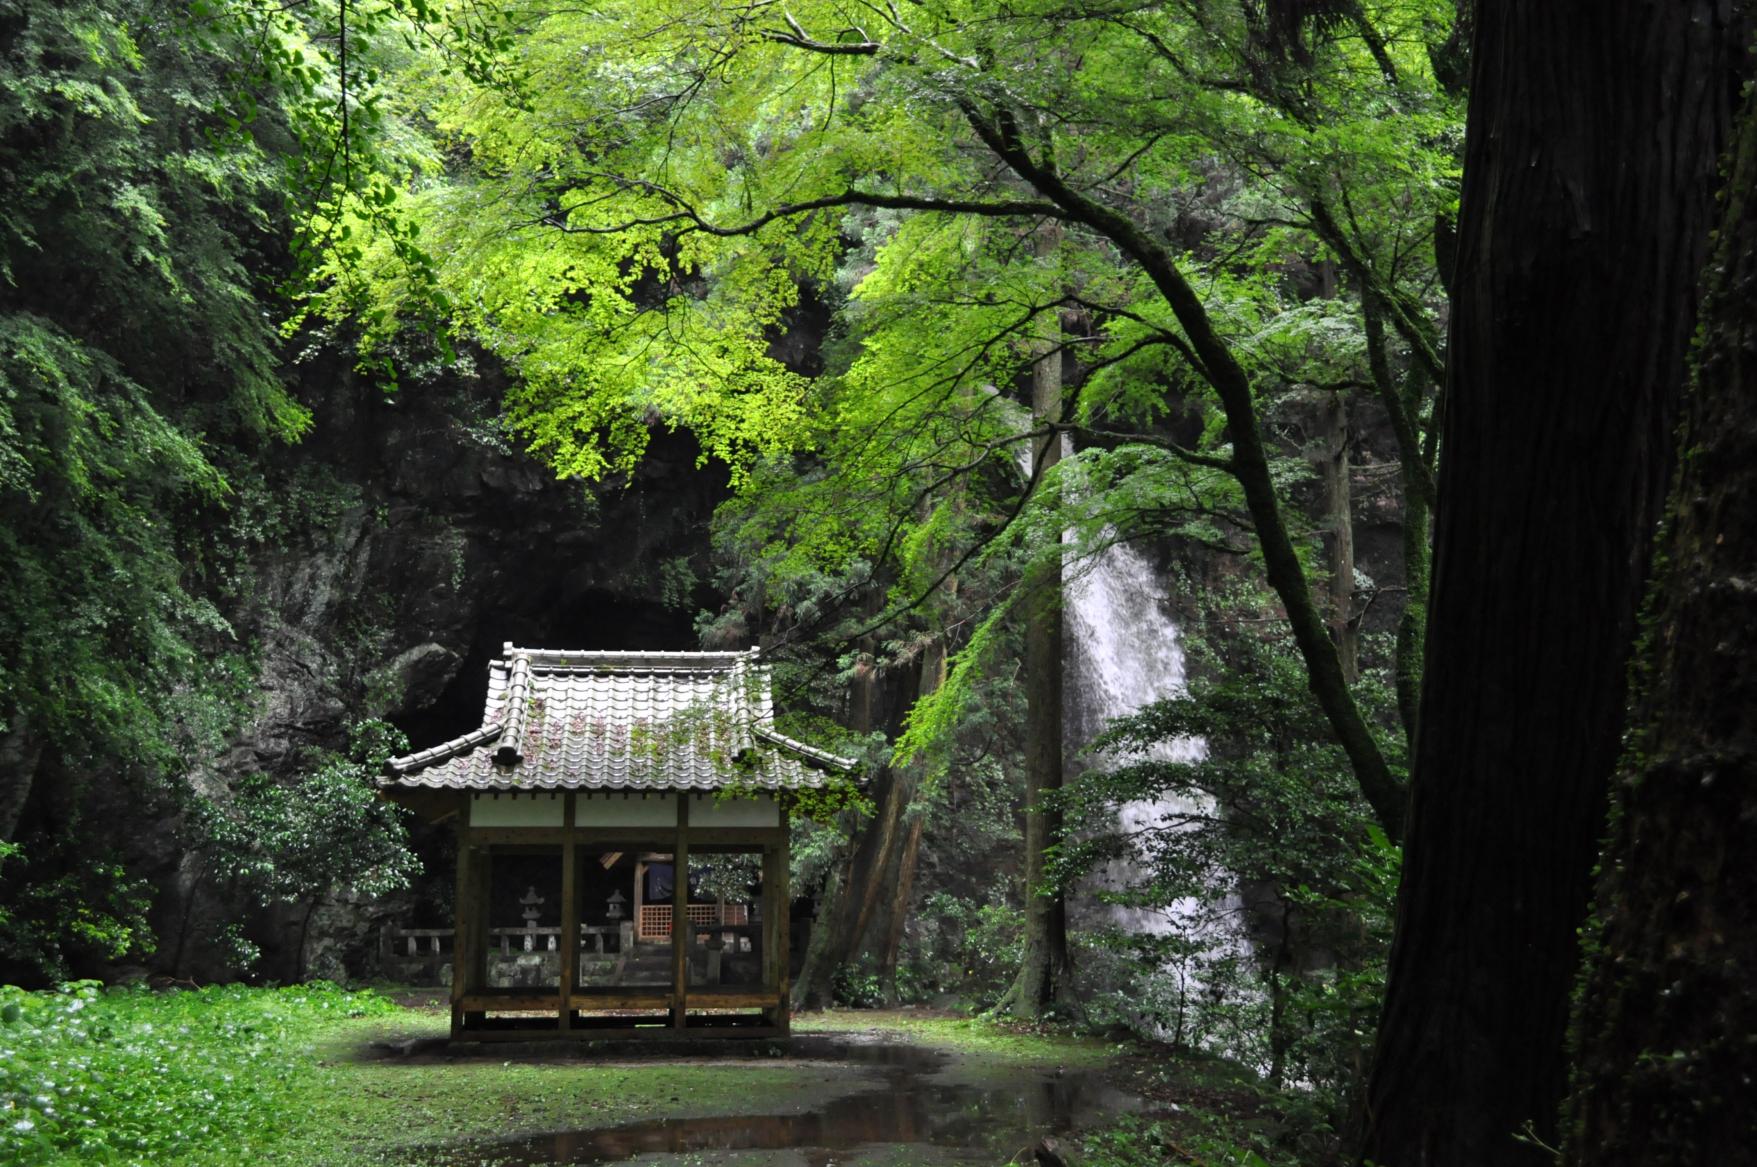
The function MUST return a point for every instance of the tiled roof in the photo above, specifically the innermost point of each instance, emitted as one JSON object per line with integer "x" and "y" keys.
{"x": 621, "y": 721}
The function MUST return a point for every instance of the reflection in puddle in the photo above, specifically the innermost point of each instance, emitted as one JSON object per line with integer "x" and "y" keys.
{"x": 979, "y": 1124}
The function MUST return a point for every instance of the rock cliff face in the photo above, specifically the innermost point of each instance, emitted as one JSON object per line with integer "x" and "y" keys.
{"x": 412, "y": 542}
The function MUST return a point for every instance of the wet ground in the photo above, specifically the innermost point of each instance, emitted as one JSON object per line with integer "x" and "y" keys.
{"x": 903, "y": 1104}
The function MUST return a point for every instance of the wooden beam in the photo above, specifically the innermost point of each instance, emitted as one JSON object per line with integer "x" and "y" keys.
{"x": 731, "y": 997}
{"x": 680, "y": 925}
{"x": 614, "y": 1031}
{"x": 513, "y": 836}
{"x": 632, "y": 997}
{"x": 429, "y": 805}
{"x": 625, "y": 838}
{"x": 521, "y": 1001}
{"x": 733, "y": 837}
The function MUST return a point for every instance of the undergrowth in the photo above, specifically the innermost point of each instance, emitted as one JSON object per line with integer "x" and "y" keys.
{"x": 132, "y": 1076}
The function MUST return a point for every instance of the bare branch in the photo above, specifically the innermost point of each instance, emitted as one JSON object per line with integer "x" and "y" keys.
{"x": 800, "y": 39}
{"x": 687, "y": 218}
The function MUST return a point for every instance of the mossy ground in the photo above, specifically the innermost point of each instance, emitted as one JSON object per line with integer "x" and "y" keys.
{"x": 1001, "y": 1041}
{"x": 312, "y": 1077}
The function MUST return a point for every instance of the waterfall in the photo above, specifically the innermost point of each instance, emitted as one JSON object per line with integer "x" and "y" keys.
{"x": 1122, "y": 651}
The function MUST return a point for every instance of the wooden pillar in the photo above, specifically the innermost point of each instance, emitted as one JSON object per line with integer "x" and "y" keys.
{"x": 783, "y": 924}
{"x": 570, "y": 914}
{"x": 680, "y": 914}
{"x": 640, "y": 882}
{"x": 460, "y": 930}
{"x": 469, "y": 926}
{"x": 772, "y": 922}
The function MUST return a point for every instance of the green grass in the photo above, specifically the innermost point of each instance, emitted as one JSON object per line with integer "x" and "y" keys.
{"x": 225, "y": 1076}
{"x": 131, "y": 1076}
{"x": 998, "y": 1041}
{"x": 290, "y": 1078}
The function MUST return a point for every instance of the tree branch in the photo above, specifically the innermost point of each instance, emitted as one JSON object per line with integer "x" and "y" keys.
{"x": 800, "y": 39}
{"x": 692, "y": 220}
{"x": 1250, "y": 458}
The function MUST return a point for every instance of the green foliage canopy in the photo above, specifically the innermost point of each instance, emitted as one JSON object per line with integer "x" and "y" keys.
{"x": 679, "y": 185}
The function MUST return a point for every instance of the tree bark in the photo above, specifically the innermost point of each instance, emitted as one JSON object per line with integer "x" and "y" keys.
{"x": 1666, "y": 1060}
{"x": 1590, "y": 172}
{"x": 1331, "y": 456}
{"x": 1045, "y": 961}
{"x": 857, "y": 889}
{"x": 19, "y": 753}
{"x": 1416, "y": 473}
{"x": 1216, "y": 363}
{"x": 933, "y": 675}
{"x": 811, "y": 990}
{"x": 904, "y": 889}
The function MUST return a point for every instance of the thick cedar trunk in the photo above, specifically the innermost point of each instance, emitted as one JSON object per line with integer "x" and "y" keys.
{"x": 1332, "y": 459}
{"x": 1589, "y": 176}
{"x": 1667, "y": 1059}
{"x": 847, "y": 896}
{"x": 903, "y": 890}
{"x": 1045, "y": 959}
{"x": 847, "y": 900}
{"x": 19, "y": 752}
{"x": 1045, "y": 951}
{"x": 933, "y": 675}
{"x": 812, "y": 988}
{"x": 888, "y": 835}
{"x": 1415, "y": 472}
{"x": 861, "y": 891}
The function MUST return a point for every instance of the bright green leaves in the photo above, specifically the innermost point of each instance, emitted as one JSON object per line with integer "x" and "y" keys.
{"x": 678, "y": 184}
{"x": 130, "y": 338}
{"x": 131, "y": 1076}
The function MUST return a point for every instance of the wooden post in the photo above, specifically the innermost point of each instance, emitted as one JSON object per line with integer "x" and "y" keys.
{"x": 640, "y": 881}
{"x": 570, "y": 916}
{"x": 783, "y": 924}
{"x": 460, "y": 931}
{"x": 680, "y": 914}
{"x": 469, "y": 955}
{"x": 771, "y": 915}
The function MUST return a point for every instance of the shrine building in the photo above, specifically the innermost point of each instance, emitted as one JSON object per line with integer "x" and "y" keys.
{"x": 637, "y": 803}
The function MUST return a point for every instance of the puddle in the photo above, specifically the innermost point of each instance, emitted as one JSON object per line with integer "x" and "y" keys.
{"x": 905, "y": 1110}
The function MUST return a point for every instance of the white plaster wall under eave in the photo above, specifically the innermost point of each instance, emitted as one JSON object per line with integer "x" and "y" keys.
{"x": 537, "y": 808}
{"x": 618, "y": 808}
{"x": 714, "y": 811}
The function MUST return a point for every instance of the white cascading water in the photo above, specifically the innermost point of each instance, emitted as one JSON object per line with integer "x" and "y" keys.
{"x": 1122, "y": 651}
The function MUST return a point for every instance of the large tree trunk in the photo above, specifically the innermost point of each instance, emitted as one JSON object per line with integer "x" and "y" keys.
{"x": 1330, "y": 454}
{"x": 933, "y": 675}
{"x": 845, "y": 903}
{"x": 1045, "y": 960}
{"x": 852, "y": 894}
{"x": 19, "y": 753}
{"x": 861, "y": 889}
{"x": 1415, "y": 472}
{"x": 1590, "y": 168}
{"x": 899, "y": 917}
{"x": 1667, "y": 1062}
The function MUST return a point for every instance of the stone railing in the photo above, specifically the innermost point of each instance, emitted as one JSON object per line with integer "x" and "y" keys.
{"x": 434, "y": 943}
